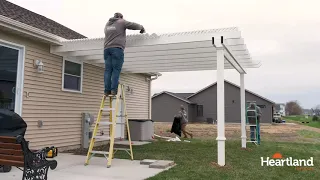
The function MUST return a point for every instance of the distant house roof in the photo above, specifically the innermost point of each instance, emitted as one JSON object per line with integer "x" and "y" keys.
{"x": 25, "y": 16}
{"x": 182, "y": 95}
{"x": 211, "y": 85}
{"x": 174, "y": 95}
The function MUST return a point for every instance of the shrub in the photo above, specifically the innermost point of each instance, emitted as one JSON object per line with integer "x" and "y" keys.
{"x": 315, "y": 118}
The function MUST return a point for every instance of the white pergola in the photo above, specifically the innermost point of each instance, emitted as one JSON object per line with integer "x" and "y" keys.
{"x": 215, "y": 49}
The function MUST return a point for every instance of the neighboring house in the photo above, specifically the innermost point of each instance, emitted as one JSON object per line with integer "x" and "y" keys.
{"x": 307, "y": 112}
{"x": 202, "y": 105}
{"x": 166, "y": 105}
{"x": 64, "y": 90}
{"x": 281, "y": 109}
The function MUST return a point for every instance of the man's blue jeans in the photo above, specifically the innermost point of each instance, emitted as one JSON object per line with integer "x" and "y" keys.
{"x": 113, "y": 58}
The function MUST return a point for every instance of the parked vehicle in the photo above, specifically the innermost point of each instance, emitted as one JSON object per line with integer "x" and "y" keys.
{"x": 277, "y": 118}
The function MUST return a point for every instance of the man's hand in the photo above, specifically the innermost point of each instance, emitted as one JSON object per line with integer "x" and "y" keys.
{"x": 142, "y": 30}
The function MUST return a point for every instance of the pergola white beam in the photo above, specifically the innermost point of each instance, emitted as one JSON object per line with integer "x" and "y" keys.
{"x": 144, "y": 42}
{"x": 168, "y": 68}
{"x": 232, "y": 60}
{"x": 229, "y": 56}
{"x": 188, "y": 51}
{"x": 160, "y": 55}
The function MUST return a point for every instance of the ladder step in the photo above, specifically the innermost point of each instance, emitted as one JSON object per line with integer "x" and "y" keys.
{"x": 109, "y": 123}
{"x": 107, "y": 109}
{"x": 102, "y": 137}
{"x": 99, "y": 152}
{"x": 121, "y": 123}
{"x": 115, "y": 97}
{"x": 105, "y": 123}
{"x": 122, "y": 149}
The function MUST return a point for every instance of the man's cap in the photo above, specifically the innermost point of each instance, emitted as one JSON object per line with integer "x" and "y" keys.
{"x": 118, "y": 15}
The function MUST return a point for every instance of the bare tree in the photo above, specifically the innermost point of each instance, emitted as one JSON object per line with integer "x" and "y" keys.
{"x": 293, "y": 108}
{"x": 316, "y": 110}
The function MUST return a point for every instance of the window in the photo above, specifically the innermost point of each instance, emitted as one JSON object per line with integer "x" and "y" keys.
{"x": 72, "y": 76}
{"x": 262, "y": 106}
{"x": 199, "y": 110}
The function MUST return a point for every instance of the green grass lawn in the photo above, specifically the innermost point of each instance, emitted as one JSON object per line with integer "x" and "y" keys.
{"x": 194, "y": 160}
{"x": 303, "y": 119}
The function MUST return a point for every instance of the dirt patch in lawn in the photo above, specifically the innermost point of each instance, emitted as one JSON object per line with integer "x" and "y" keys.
{"x": 273, "y": 132}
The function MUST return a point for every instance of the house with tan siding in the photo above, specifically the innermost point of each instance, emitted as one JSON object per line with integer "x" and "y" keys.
{"x": 52, "y": 102}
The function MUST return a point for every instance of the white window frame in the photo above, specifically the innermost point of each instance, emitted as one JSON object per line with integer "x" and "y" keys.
{"x": 81, "y": 77}
{"x": 20, "y": 73}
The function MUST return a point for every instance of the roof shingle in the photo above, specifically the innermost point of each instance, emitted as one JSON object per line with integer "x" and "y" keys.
{"x": 25, "y": 16}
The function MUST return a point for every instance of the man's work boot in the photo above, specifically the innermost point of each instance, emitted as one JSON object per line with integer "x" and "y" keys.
{"x": 113, "y": 93}
{"x": 107, "y": 93}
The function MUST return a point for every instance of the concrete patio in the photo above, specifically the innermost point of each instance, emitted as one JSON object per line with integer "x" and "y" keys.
{"x": 72, "y": 167}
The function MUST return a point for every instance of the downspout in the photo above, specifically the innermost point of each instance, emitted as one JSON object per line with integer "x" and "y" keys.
{"x": 150, "y": 79}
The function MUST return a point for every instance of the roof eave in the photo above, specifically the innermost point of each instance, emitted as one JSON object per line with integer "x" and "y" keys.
{"x": 213, "y": 84}
{"x": 154, "y": 74}
{"x": 30, "y": 31}
{"x": 165, "y": 92}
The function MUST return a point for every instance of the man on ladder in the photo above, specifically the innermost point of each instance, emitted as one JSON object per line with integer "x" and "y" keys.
{"x": 253, "y": 118}
{"x": 114, "y": 45}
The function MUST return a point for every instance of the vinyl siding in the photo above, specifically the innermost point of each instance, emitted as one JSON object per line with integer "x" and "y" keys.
{"x": 165, "y": 107}
{"x": 61, "y": 111}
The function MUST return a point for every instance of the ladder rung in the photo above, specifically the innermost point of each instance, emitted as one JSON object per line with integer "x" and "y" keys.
{"x": 109, "y": 123}
{"x": 115, "y": 97}
{"x": 121, "y": 149}
{"x": 105, "y": 123}
{"x": 100, "y": 152}
{"x": 120, "y": 123}
{"x": 102, "y": 137}
{"x": 107, "y": 109}
{"x": 121, "y": 116}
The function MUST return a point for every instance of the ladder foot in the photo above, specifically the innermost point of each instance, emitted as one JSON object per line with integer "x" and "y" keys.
{"x": 108, "y": 166}
{"x": 86, "y": 164}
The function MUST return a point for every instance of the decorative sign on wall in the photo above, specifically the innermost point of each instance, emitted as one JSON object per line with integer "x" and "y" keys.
{"x": 129, "y": 89}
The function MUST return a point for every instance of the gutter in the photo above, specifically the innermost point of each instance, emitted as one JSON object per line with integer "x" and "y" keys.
{"x": 154, "y": 78}
{"x": 150, "y": 97}
{"x": 30, "y": 30}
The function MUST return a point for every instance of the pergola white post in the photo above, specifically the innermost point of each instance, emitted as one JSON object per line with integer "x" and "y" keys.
{"x": 243, "y": 112}
{"x": 220, "y": 104}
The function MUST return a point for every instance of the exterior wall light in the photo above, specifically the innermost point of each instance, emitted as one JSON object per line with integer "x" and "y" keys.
{"x": 39, "y": 66}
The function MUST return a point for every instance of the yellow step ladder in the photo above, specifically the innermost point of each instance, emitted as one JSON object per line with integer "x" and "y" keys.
{"x": 120, "y": 98}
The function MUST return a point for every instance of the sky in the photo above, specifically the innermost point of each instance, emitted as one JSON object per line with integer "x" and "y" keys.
{"x": 283, "y": 35}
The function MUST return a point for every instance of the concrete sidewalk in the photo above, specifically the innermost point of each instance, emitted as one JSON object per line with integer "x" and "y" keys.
{"x": 72, "y": 167}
